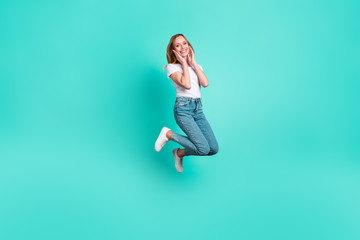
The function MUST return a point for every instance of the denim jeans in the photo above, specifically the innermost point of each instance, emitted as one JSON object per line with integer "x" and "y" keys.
{"x": 200, "y": 139}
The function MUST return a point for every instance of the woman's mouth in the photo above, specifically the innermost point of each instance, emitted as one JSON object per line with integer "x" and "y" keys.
{"x": 184, "y": 51}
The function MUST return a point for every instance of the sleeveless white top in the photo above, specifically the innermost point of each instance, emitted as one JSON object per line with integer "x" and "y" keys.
{"x": 194, "y": 91}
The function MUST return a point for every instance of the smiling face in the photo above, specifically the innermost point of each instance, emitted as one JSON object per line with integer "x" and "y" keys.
{"x": 181, "y": 46}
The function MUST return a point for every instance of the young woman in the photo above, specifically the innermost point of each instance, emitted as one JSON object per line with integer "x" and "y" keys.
{"x": 188, "y": 77}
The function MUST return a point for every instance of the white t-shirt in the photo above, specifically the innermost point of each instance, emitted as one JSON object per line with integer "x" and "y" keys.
{"x": 194, "y": 91}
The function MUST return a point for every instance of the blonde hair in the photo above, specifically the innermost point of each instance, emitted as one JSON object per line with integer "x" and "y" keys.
{"x": 170, "y": 55}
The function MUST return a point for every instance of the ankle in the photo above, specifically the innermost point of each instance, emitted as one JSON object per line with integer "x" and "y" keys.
{"x": 180, "y": 155}
{"x": 169, "y": 135}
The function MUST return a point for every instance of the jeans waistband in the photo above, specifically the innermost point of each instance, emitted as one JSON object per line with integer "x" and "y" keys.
{"x": 190, "y": 99}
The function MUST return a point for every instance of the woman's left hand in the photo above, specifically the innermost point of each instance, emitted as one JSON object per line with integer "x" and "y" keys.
{"x": 191, "y": 58}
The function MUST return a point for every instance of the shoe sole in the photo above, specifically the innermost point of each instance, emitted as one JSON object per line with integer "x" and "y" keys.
{"x": 162, "y": 133}
{"x": 174, "y": 151}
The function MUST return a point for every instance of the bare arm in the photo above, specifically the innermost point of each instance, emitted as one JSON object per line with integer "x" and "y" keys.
{"x": 203, "y": 80}
{"x": 182, "y": 79}
{"x": 201, "y": 76}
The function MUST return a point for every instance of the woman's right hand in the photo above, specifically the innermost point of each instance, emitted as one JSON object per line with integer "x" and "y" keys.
{"x": 180, "y": 58}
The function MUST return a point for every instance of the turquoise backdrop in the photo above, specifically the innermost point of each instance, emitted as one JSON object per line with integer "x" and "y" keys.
{"x": 83, "y": 99}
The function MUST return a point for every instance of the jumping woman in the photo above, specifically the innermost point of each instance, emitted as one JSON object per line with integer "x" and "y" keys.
{"x": 188, "y": 77}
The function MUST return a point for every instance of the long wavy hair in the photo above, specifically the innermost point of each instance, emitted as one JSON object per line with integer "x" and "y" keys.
{"x": 170, "y": 55}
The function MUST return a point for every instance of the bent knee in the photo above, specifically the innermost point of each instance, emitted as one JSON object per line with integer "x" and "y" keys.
{"x": 204, "y": 150}
{"x": 214, "y": 150}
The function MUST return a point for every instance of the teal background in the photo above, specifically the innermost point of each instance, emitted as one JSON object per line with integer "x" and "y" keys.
{"x": 83, "y": 99}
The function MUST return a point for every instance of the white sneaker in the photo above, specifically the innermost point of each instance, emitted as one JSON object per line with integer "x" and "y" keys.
{"x": 178, "y": 160}
{"x": 162, "y": 139}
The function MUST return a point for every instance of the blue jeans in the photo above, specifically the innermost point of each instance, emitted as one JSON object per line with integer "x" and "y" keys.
{"x": 200, "y": 139}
